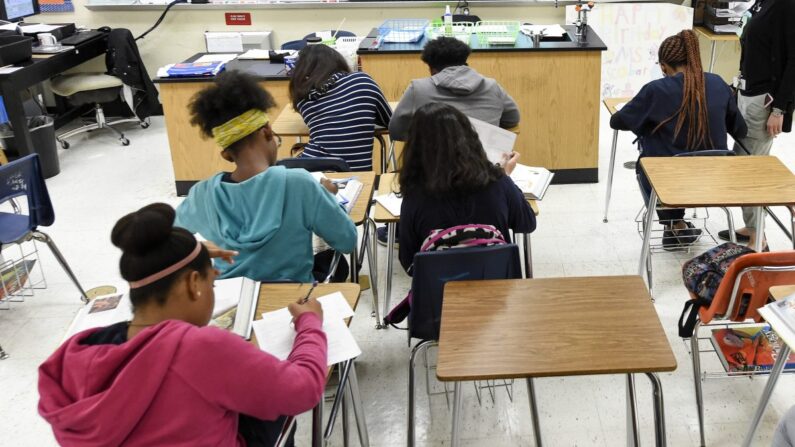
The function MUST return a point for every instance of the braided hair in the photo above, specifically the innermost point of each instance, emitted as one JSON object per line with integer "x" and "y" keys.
{"x": 681, "y": 50}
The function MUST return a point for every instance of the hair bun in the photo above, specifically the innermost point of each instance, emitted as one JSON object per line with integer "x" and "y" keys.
{"x": 144, "y": 230}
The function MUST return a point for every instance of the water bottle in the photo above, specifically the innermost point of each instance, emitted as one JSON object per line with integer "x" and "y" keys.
{"x": 448, "y": 21}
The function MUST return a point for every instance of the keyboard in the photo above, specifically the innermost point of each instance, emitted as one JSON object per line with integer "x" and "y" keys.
{"x": 78, "y": 38}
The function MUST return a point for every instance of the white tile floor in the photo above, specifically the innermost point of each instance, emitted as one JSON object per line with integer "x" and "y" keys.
{"x": 100, "y": 181}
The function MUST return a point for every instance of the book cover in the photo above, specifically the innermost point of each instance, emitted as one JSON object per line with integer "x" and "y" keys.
{"x": 14, "y": 277}
{"x": 748, "y": 349}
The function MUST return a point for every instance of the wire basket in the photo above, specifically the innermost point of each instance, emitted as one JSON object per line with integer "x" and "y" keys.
{"x": 402, "y": 30}
{"x": 459, "y": 30}
{"x": 497, "y": 32}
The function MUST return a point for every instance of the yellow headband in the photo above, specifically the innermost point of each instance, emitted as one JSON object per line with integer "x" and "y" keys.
{"x": 239, "y": 127}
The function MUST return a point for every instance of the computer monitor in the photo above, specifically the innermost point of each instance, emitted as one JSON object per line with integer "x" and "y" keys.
{"x": 16, "y": 10}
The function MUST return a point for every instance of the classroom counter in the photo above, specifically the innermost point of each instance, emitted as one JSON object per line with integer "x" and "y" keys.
{"x": 556, "y": 87}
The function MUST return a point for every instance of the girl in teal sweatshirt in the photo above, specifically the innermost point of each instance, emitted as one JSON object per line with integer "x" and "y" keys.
{"x": 267, "y": 213}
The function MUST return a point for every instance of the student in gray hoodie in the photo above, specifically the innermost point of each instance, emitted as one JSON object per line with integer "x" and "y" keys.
{"x": 454, "y": 83}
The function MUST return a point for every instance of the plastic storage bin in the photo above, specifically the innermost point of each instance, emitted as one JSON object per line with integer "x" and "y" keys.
{"x": 42, "y": 135}
{"x": 497, "y": 32}
{"x": 459, "y": 30}
{"x": 14, "y": 49}
{"x": 402, "y": 30}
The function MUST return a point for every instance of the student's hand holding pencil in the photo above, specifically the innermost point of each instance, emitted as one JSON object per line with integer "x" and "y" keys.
{"x": 329, "y": 185}
{"x": 299, "y": 307}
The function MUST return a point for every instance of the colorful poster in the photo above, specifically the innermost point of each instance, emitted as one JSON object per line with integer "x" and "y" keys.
{"x": 633, "y": 33}
{"x": 56, "y": 6}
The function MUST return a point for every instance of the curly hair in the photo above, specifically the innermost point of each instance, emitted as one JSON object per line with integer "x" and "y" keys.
{"x": 445, "y": 52}
{"x": 443, "y": 157}
{"x": 681, "y": 50}
{"x": 232, "y": 94}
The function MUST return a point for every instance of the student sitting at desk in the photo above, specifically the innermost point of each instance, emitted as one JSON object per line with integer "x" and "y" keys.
{"x": 165, "y": 378}
{"x": 340, "y": 107}
{"x": 687, "y": 110}
{"x": 447, "y": 180}
{"x": 453, "y": 82}
{"x": 267, "y": 213}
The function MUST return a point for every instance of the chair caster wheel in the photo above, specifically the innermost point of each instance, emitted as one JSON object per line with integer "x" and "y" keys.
{"x": 124, "y": 141}
{"x": 144, "y": 125}
{"x": 65, "y": 144}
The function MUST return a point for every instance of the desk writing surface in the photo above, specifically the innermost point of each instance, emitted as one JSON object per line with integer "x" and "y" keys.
{"x": 389, "y": 182}
{"x": 687, "y": 182}
{"x": 781, "y": 292}
{"x": 550, "y": 327}
{"x": 290, "y": 123}
{"x": 709, "y": 35}
{"x": 276, "y": 296}
{"x": 612, "y": 103}
{"x": 359, "y": 211}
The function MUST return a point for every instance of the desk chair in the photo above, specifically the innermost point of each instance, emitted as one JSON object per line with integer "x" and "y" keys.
{"x": 744, "y": 289}
{"x": 315, "y": 164}
{"x": 640, "y": 218}
{"x": 431, "y": 271}
{"x": 299, "y": 44}
{"x": 96, "y": 89}
{"x": 23, "y": 178}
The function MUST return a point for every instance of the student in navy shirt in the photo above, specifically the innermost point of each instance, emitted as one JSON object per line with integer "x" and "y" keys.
{"x": 447, "y": 180}
{"x": 340, "y": 108}
{"x": 687, "y": 110}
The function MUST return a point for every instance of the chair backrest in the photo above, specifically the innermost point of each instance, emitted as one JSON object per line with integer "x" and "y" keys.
{"x": 315, "y": 164}
{"x": 296, "y": 45}
{"x": 23, "y": 177}
{"x": 340, "y": 33}
{"x": 435, "y": 268}
{"x": 746, "y": 285}
{"x": 707, "y": 153}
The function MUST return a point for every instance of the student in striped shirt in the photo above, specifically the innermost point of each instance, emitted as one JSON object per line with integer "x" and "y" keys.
{"x": 340, "y": 107}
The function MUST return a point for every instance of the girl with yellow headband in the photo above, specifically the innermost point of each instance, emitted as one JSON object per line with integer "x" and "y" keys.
{"x": 267, "y": 213}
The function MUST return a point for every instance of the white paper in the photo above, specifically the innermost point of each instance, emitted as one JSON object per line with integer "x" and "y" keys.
{"x": 227, "y": 294}
{"x": 9, "y": 69}
{"x": 554, "y": 30}
{"x": 276, "y": 336}
{"x": 391, "y": 202}
{"x": 335, "y": 306}
{"x": 38, "y": 28}
{"x": 405, "y": 35}
{"x": 533, "y": 181}
{"x": 223, "y": 57}
{"x": 255, "y": 55}
{"x": 495, "y": 141}
{"x": 8, "y": 27}
{"x": 224, "y": 42}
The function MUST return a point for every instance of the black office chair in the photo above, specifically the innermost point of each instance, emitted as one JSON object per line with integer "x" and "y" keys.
{"x": 317, "y": 164}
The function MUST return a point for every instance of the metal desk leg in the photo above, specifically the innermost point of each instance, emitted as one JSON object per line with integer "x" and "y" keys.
{"x": 372, "y": 260}
{"x": 355, "y": 262}
{"x": 775, "y": 373}
{"x": 531, "y": 393}
{"x": 422, "y": 346}
{"x": 345, "y": 434}
{"x": 390, "y": 262}
{"x": 457, "y": 406}
{"x": 382, "y": 145}
{"x": 633, "y": 434}
{"x": 528, "y": 256}
{"x": 344, "y": 372}
{"x": 760, "y": 228}
{"x": 712, "y": 57}
{"x": 358, "y": 407}
{"x": 644, "y": 251}
{"x": 659, "y": 410}
{"x": 317, "y": 425}
{"x": 610, "y": 170}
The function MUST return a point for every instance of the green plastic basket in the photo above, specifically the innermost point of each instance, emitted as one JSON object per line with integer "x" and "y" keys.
{"x": 459, "y": 30}
{"x": 497, "y": 32}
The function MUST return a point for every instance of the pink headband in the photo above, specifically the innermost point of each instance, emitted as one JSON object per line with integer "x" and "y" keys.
{"x": 168, "y": 270}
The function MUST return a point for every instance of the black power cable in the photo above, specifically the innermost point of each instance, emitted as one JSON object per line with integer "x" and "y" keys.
{"x": 160, "y": 19}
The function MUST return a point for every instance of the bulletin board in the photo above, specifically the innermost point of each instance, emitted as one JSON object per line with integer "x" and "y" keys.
{"x": 633, "y": 33}
{"x": 56, "y": 6}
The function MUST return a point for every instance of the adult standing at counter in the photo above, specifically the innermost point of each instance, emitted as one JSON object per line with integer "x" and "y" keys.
{"x": 766, "y": 85}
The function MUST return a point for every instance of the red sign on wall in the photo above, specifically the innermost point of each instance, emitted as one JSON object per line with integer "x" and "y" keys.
{"x": 238, "y": 18}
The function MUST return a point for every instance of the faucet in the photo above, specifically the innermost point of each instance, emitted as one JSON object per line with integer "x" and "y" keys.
{"x": 581, "y": 23}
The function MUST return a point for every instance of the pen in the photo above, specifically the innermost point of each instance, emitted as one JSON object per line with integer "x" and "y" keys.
{"x": 342, "y": 180}
{"x": 306, "y": 298}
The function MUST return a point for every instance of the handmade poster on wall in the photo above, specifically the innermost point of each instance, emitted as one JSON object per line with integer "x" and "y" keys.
{"x": 633, "y": 33}
{"x": 56, "y": 6}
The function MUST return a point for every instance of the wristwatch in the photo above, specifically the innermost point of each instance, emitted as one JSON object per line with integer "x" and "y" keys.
{"x": 777, "y": 112}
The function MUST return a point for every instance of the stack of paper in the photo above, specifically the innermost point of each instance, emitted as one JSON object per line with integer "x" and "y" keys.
{"x": 255, "y": 54}
{"x": 391, "y": 202}
{"x": 276, "y": 335}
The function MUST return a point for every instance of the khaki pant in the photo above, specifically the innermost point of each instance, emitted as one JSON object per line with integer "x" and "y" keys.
{"x": 758, "y": 141}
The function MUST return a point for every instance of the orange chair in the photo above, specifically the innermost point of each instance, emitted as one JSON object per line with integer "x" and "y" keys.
{"x": 744, "y": 289}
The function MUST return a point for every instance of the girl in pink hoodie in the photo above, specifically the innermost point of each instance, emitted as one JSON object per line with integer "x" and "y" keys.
{"x": 165, "y": 378}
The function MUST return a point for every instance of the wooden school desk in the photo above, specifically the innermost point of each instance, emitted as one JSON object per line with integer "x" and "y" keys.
{"x": 290, "y": 123}
{"x": 556, "y": 87}
{"x": 713, "y": 38}
{"x": 552, "y": 327}
{"x": 692, "y": 182}
{"x": 388, "y": 183}
{"x": 781, "y": 292}
{"x": 611, "y": 104}
{"x": 276, "y": 296}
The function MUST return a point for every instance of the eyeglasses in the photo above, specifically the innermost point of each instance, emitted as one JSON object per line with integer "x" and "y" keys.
{"x": 278, "y": 139}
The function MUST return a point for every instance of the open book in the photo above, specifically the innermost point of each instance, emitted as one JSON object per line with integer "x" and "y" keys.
{"x": 781, "y": 317}
{"x": 349, "y": 190}
{"x": 231, "y": 295}
{"x": 533, "y": 181}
